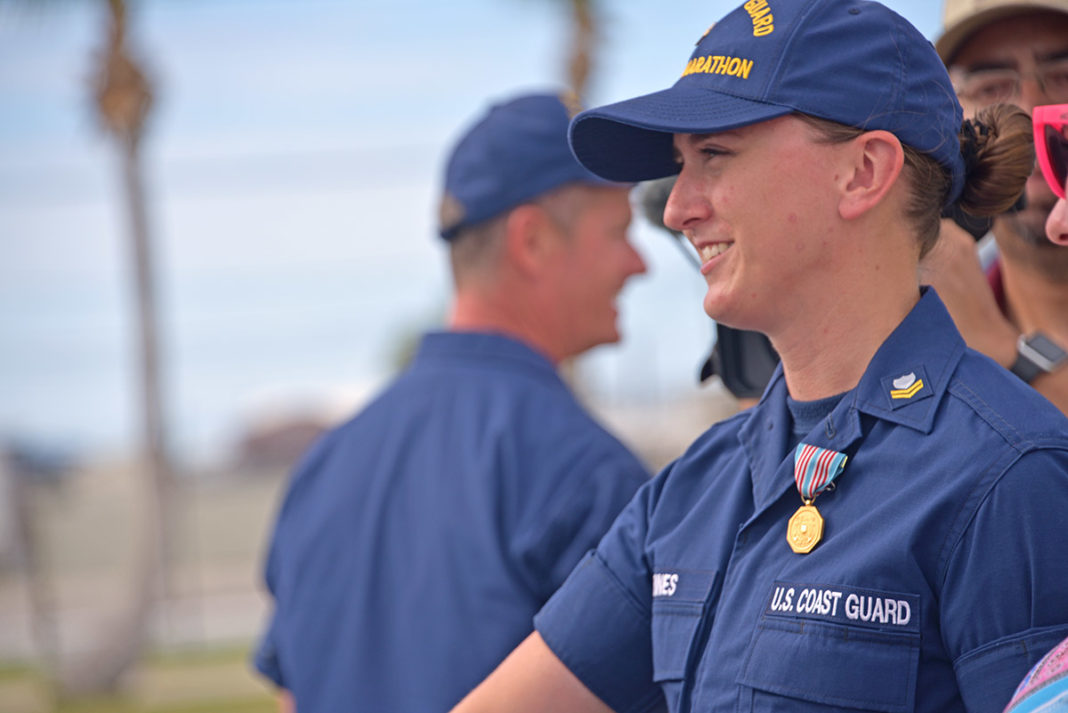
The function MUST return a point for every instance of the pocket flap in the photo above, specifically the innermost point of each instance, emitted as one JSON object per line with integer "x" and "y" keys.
{"x": 679, "y": 597}
{"x": 831, "y": 664}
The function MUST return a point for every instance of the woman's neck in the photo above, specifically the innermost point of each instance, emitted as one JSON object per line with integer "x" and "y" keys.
{"x": 829, "y": 352}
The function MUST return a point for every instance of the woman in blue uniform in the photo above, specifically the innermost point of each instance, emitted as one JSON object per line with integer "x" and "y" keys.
{"x": 886, "y": 530}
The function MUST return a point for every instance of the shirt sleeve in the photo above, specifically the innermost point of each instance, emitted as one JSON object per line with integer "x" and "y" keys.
{"x": 1004, "y": 600}
{"x": 598, "y": 623}
{"x": 590, "y": 493}
{"x": 265, "y": 659}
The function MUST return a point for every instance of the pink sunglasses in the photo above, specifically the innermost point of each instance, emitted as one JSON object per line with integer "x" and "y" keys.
{"x": 1051, "y": 144}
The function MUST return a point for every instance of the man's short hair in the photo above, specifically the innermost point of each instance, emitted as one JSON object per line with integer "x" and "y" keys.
{"x": 477, "y": 248}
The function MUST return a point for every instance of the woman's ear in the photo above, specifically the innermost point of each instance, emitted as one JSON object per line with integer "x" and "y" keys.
{"x": 875, "y": 162}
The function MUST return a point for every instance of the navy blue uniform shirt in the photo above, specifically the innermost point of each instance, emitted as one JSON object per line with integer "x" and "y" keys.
{"x": 940, "y": 580}
{"x": 417, "y": 541}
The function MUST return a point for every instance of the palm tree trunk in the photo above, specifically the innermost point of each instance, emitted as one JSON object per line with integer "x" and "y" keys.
{"x": 583, "y": 40}
{"x": 123, "y": 100}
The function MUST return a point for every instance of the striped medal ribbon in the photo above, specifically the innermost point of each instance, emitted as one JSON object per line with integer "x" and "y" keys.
{"x": 815, "y": 469}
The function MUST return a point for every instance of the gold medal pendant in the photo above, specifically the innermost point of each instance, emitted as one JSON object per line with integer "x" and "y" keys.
{"x": 805, "y": 529}
{"x": 815, "y": 469}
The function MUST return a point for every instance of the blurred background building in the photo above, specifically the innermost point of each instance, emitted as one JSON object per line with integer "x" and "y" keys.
{"x": 283, "y": 173}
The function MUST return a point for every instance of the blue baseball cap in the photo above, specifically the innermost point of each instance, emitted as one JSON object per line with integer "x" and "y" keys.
{"x": 853, "y": 62}
{"x": 513, "y": 154}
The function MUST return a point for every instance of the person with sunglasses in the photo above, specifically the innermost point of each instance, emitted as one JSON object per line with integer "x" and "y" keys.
{"x": 1051, "y": 144}
{"x": 1009, "y": 300}
{"x": 884, "y": 530}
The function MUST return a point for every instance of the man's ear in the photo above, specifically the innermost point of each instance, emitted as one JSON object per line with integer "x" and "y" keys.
{"x": 875, "y": 162}
{"x": 528, "y": 238}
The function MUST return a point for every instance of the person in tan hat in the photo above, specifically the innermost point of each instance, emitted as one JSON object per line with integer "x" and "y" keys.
{"x": 1016, "y": 313}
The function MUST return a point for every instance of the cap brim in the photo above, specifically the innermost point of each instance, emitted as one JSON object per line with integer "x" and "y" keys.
{"x": 631, "y": 141}
{"x": 959, "y": 32}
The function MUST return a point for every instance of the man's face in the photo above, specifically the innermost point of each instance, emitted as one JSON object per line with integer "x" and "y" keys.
{"x": 595, "y": 260}
{"x": 1022, "y": 60}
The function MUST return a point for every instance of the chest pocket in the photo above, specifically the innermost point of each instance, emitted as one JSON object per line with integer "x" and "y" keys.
{"x": 828, "y": 664}
{"x": 681, "y": 616}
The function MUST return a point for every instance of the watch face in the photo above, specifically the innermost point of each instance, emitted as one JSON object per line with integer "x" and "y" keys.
{"x": 1046, "y": 348}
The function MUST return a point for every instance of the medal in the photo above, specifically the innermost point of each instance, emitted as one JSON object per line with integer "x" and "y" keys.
{"x": 805, "y": 529}
{"x": 815, "y": 468}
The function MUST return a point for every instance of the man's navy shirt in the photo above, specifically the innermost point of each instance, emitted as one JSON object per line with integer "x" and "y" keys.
{"x": 417, "y": 541}
{"x": 941, "y": 578}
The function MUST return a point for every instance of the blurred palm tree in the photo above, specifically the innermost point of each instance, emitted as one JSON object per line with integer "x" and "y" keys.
{"x": 584, "y": 16}
{"x": 122, "y": 98}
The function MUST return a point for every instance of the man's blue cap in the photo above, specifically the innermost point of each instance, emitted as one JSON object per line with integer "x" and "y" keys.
{"x": 849, "y": 61}
{"x": 513, "y": 154}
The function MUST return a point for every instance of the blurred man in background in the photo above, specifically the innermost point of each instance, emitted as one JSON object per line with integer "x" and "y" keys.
{"x": 1017, "y": 312}
{"x": 417, "y": 541}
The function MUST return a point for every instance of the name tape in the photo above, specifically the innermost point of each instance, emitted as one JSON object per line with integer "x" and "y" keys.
{"x": 844, "y": 605}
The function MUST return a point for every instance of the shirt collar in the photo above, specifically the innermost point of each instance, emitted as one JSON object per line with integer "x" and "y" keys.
{"x": 909, "y": 374}
{"x": 904, "y": 384}
{"x": 482, "y": 348}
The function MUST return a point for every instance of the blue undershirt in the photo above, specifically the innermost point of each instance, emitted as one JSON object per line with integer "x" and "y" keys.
{"x": 807, "y": 415}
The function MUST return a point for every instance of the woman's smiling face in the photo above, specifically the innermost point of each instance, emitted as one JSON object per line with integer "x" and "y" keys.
{"x": 758, "y": 205}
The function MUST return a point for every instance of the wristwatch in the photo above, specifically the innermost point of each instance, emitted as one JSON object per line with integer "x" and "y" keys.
{"x": 1037, "y": 354}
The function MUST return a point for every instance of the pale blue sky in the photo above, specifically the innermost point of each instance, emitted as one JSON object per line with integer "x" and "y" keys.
{"x": 294, "y": 156}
